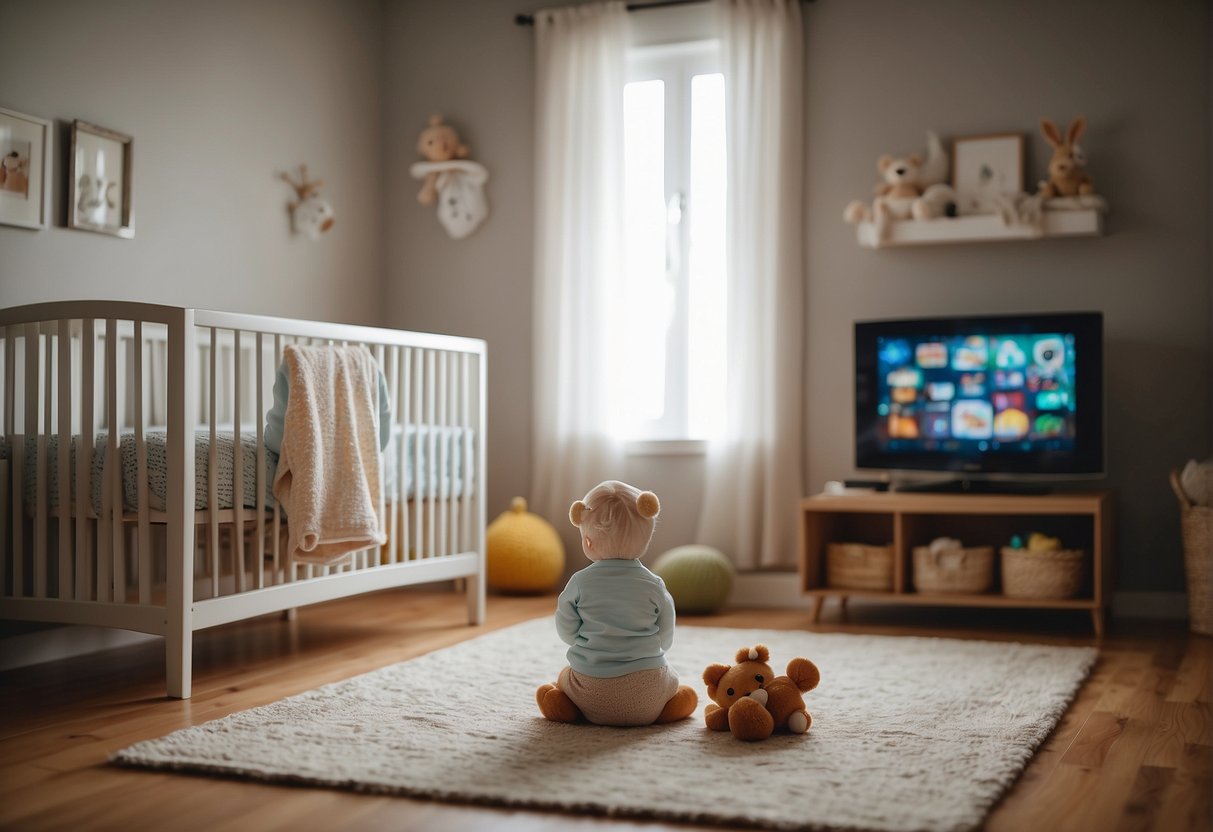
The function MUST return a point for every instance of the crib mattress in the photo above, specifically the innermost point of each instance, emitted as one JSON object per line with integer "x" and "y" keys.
{"x": 448, "y": 445}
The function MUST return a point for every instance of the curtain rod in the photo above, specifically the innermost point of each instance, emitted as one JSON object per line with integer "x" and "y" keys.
{"x": 529, "y": 19}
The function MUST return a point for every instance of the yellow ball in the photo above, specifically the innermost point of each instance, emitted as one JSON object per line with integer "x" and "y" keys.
{"x": 523, "y": 551}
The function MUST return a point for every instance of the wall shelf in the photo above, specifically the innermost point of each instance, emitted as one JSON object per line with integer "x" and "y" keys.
{"x": 1084, "y": 222}
{"x": 906, "y": 520}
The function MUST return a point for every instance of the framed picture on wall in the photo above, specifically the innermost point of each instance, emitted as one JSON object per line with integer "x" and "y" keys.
{"x": 99, "y": 177}
{"x": 25, "y": 153}
{"x": 985, "y": 168}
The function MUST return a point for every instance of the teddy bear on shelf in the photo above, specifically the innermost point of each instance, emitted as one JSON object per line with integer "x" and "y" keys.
{"x": 749, "y": 700}
{"x": 451, "y": 179}
{"x": 912, "y": 187}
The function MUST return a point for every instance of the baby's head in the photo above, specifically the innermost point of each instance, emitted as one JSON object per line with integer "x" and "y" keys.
{"x": 616, "y": 520}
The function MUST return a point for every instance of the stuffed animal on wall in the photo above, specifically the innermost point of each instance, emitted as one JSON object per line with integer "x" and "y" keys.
{"x": 438, "y": 143}
{"x": 311, "y": 214}
{"x": 1066, "y": 174}
{"x": 912, "y": 187}
{"x": 749, "y": 700}
{"x": 449, "y": 178}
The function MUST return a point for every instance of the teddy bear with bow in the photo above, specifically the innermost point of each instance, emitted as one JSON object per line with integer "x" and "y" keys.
{"x": 749, "y": 700}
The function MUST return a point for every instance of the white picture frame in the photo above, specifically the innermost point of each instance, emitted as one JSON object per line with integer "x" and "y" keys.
{"x": 25, "y": 165}
{"x": 985, "y": 168}
{"x": 100, "y": 167}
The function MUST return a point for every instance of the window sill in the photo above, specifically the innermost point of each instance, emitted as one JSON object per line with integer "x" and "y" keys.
{"x": 666, "y": 447}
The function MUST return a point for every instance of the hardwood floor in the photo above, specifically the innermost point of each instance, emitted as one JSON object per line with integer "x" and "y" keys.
{"x": 1133, "y": 752}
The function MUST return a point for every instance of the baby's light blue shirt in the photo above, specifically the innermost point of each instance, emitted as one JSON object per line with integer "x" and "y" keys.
{"x": 617, "y": 617}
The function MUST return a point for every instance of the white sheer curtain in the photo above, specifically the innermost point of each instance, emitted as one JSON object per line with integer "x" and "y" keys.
{"x": 580, "y": 65}
{"x": 754, "y": 480}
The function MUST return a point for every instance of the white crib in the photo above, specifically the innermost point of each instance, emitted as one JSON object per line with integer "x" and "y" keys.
{"x": 111, "y": 410}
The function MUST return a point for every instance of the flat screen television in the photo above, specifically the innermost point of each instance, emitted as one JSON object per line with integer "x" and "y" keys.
{"x": 981, "y": 397}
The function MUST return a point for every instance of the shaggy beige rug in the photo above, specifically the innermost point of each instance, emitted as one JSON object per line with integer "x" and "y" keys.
{"x": 908, "y": 734}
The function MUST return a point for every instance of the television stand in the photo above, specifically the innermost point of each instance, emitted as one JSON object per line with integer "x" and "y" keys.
{"x": 964, "y": 486}
{"x": 903, "y": 521}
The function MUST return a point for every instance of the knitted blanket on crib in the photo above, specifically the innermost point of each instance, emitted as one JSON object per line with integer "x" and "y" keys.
{"x": 329, "y": 478}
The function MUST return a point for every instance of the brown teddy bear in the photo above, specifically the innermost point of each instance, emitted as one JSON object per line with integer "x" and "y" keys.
{"x": 752, "y": 702}
{"x": 438, "y": 143}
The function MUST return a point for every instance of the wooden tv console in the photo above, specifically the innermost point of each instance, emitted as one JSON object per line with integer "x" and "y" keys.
{"x": 1081, "y": 520}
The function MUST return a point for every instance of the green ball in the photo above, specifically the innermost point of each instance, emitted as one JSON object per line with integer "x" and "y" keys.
{"x": 698, "y": 577}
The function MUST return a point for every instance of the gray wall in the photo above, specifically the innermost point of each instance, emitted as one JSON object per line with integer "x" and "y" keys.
{"x": 219, "y": 97}
{"x": 880, "y": 73}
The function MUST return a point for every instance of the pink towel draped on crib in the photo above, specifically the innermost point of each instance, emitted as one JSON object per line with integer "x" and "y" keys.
{"x": 329, "y": 477}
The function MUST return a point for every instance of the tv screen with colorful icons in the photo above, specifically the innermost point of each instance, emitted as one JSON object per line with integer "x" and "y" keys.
{"x": 998, "y": 394}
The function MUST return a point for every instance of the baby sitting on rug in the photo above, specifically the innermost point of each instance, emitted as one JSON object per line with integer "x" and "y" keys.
{"x": 618, "y": 620}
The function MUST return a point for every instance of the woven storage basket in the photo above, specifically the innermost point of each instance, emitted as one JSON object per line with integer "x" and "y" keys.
{"x": 955, "y": 570}
{"x": 859, "y": 566}
{"x": 1196, "y": 526}
{"x": 1055, "y": 574}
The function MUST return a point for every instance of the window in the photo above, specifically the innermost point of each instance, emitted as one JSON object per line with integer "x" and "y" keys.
{"x": 674, "y": 282}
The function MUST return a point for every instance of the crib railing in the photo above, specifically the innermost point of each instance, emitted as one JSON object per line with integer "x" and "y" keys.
{"x": 109, "y": 407}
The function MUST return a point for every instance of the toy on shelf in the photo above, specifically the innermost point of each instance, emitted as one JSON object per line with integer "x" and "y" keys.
{"x": 1038, "y": 566}
{"x": 311, "y": 214}
{"x": 1069, "y": 186}
{"x": 750, "y": 701}
{"x": 912, "y": 187}
{"x": 456, "y": 183}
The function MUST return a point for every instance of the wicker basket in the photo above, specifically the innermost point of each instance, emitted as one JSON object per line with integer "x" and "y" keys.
{"x": 1196, "y": 526}
{"x": 1052, "y": 574}
{"x": 967, "y": 570}
{"x": 859, "y": 566}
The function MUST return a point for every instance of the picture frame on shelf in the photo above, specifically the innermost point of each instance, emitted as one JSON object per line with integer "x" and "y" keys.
{"x": 25, "y": 163}
{"x": 100, "y": 168}
{"x": 985, "y": 168}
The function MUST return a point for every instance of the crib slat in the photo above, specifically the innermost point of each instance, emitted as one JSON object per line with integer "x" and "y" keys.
{"x": 418, "y": 494}
{"x": 431, "y": 485}
{"x": 105, "y": 537}
{"x": 145, "y": 531}
{"x": 444, "y": 515}
{"x": 259, "y": 474}
{"x": 237, "y": 466}
{"x": 392, "y": 370}
{"x": 376, "y": 554}
{"x": 18, "y": 451}
{"x": 34, "y": 405}
{"x": 64, "y": 346}
{"x": 287, "y": 569}
{"x": 114, "y": 470}
{"x": 466, "y": 439}
{"x": 16, "y": 456}
{"x": 84, "y": 464}
{"x": 403, "y": 450}
{"x": 212, "y": 487}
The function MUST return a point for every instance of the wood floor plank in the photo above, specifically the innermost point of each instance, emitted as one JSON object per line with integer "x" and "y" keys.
{"x": 1130, "y": 753}
{"x": 1185, "y": 801}
{"x": 1145, "y": 799}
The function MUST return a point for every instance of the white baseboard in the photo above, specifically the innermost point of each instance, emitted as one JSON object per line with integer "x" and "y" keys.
{"x": 781, "y": 589}
{"x": 63, "y": 643}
